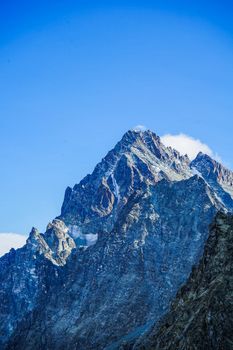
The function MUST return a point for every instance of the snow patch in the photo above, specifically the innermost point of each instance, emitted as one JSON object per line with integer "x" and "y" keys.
{"x": 196, "y": 172}
{"x": 116, "y": 187}
{"x": 91, "y": 238}
{"x": 227, "y": 188}
{"x": 82, "y": 239}
{"x": 32, "y": 272}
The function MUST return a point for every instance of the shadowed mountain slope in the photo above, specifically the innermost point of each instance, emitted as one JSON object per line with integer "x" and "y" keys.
{"x": 201, "y": 316}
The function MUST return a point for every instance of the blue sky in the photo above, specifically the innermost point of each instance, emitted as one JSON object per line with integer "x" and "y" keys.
{"x": 75, "y": 75}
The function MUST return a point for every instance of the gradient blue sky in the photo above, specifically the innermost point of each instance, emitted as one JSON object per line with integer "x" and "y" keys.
{"x": 75, "y": 75}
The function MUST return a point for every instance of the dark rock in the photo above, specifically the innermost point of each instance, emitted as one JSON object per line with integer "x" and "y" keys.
{"x": 201, "y": 316}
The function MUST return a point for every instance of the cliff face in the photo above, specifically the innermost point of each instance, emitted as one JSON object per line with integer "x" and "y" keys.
{"x": 25, "y": 273}
{"x": 107, "y": 268}
{"x": 201, "y": 316}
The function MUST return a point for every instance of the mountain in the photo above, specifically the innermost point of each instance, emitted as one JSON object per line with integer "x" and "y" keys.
{"x": 108, "y": 266}
{"x": 201, "y": 316}
{"x": 137, "y": 161}
{"x": 216, "y": 175}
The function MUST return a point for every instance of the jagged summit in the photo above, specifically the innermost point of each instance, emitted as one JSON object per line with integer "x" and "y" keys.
{"x": 214, "y": 166}
{"x": 216, "y": 175}
{"x": 134, "y": 135}
{"x": 56, "y": 244}
{"x": 137, "y": 161}
{"x": 143, "y": 139}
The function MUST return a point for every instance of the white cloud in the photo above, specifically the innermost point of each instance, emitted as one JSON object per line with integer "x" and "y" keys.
{"x": 139, "y": 128}
{"x": 188, "y": 145}
{"x": 11, "y": 240}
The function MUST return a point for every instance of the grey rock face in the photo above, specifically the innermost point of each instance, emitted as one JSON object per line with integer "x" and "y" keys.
{"x": 138, "y": 160}
{"x": 55, "y": 245}
{"x": 22, "y": 273}
{"x": 217, "y": 176}
{"x": 109, "y": 265}
{"x": 201, "y": 316}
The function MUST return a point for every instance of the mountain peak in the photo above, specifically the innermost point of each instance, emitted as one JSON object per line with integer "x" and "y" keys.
{"x": 207, "y": 161}
{"x": 137, "y": 161}
{"x": 148, "y": 141}
{"x": 134, "y": 135}
{"x": 216, "y": 175}
{"x": 202, "y": 155}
